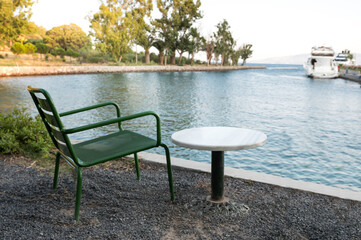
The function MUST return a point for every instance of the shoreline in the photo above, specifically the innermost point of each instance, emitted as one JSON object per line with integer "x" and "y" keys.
{"x": 62, "y": 70}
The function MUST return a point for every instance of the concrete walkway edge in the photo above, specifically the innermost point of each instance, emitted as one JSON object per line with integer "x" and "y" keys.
{"x": 257, "y": 177}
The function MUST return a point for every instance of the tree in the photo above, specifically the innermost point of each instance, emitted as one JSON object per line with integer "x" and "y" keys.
{"x": 29, "y": 48}
{"x": 34, "y": 33}
{"x": 117, "y": 24}
{"x": 177, "y": 17}
{"x": 41, "y": 48}
{"x": 67, "y": 37}
{"x": 146, "y": 39}
{"x": 17, "y": 48}
{"x": 165, "y": 30}
{"x": 160, "y": 46}
{"x": 246, "y": 52}
{"x": 14, "y": 16}
{"x": 209, "y": 46}
{"x": 224, "y": 41}
{"x": 235, "y": 55}
{"x": 186, "y": 12}
{"x": 196, "y": 42}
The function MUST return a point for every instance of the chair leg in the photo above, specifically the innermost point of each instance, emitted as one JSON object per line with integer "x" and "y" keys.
{"x": 78, "y": 192}
{"x": 137, "y": 165}
{"x": 56, "y": 172}
{"x": 169, "y": 168}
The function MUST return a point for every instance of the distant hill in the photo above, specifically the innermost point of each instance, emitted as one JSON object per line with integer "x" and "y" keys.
{"x": 295, "y": 59}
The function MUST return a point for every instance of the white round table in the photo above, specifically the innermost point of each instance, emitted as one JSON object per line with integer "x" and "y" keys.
{"x": 218, "y": 140}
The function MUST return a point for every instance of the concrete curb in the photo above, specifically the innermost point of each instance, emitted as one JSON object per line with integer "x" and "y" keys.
{"x": 257, "y": 177}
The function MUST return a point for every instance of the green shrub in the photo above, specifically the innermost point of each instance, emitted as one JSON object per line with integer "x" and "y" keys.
{"x": 1, "y": 56}
{"x": 94, "y": 56}
{"x": 71, "y": 53}
{"x": 41, "y": 48}
{"x": 58, "y": 52}
{"x": 17, "y": 48}
{"x": 22, "y": 134}
{"x": 29, "y": 48}
{"x": 95, "y": 59}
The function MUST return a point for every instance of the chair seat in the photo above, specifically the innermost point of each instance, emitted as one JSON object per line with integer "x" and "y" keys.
{"x": 111, "y": 146}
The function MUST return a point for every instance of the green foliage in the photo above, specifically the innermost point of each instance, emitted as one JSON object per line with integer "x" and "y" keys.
{"x": 117, "y": 24}
{"x": 17, "y": 48}
{"x": 29, "y": 48}
{"x": 94, "y": 56}
{"x": 146, "y": 38}
{"x": 14, "y": 16}
{"x": 67, "y": 37}
{"x": 22, "y": 134}
{"x": 41, "y": 48}
{"x": 235, "y": 55}
{"x": 58, "y": 52}
{"x": 35, "y": 32}
{"x": 154, "y": 57}
{"x": 224, "y": 41}
{"x": 174, "y": 25}
{"x": 71, "y": 53}
{"x": 246, "y": 52}
{"x": 196, "y": 42}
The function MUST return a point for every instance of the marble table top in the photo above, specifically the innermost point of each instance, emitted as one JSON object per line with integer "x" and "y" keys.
{"x": 219, "y": 138}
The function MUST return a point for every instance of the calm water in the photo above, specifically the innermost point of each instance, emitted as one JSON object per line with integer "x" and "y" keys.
{"x": 313, "y": 126}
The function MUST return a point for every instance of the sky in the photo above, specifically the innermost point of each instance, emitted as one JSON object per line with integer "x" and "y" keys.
{"x": 275, "y": 28}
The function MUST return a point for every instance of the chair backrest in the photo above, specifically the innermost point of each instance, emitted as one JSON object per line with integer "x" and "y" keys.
{"x": 53, "y": 123}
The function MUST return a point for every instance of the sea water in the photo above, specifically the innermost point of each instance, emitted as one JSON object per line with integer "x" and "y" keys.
{"x": 313, "y": 126}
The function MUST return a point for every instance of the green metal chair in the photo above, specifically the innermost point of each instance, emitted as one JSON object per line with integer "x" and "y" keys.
{"x": 98, "y": 150}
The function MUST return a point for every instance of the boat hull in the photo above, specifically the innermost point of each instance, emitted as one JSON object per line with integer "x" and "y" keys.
{"x": 321, "y": 67}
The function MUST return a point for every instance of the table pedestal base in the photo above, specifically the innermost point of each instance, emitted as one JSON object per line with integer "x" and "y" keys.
{"x": 217, "y": 181}
{"x": 223, "y": 200}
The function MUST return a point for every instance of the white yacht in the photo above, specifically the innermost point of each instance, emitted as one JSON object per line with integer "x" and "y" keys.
{"x": 322, "y": 63}
{"x": 345, "y": 58}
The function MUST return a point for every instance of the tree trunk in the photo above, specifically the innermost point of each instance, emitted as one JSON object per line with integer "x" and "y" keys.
{"x": 244, "y": 62}
{"x": 173, "y": 59}
{"x": 180, "y": 58}
{"x": 209, "y": 59}
{"x": 160, "y": 58}
{"x": 147, "y": 56}
{"x": 120, "y": 58}
{"x": 165, "y": 56}
{"x": 192, "y": 58}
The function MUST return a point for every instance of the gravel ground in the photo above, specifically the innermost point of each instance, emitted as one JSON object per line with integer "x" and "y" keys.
{"x": 117, "y": 206}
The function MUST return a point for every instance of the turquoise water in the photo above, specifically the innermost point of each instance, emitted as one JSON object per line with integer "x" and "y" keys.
{"x": 313, "y": 126}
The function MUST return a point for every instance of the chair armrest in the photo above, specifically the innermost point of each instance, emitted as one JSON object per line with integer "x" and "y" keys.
{"x": 90, "y": 108}
{"x": 117, "y": 120}
{"x": 93, "y": 107}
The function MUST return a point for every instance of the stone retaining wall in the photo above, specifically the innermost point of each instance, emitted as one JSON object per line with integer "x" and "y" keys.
{"x": 57, "y": 70}
{"x": 352, "y": 77}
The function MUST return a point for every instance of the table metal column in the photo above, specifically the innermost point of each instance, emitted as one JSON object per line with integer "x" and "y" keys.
{"x": 217, "y": 176}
